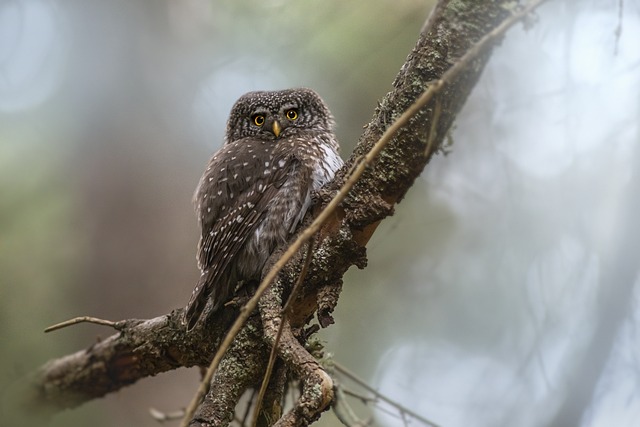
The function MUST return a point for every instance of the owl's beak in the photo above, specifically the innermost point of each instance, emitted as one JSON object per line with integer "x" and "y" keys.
{"x": 276, "y": 128}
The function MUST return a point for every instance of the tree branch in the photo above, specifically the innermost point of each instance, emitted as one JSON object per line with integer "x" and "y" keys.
{"x": 407, "y": 128}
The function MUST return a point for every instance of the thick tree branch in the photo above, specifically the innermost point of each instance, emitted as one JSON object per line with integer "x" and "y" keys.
{"x": 144, "y": 348}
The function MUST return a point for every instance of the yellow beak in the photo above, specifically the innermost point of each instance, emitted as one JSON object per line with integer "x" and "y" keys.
{"x": 276, "y": 128}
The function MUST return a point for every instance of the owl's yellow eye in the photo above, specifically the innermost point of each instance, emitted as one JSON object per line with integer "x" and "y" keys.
{"x": 258, "y": 119}
{"x": 292, "y": 114}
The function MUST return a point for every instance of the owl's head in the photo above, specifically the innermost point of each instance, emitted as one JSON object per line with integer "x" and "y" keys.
{"x": 276, "y": 114}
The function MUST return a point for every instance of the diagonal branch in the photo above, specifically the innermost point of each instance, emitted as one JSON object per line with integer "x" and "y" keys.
{"x": 407, "y": 128}
{"x": 361, "y": 164}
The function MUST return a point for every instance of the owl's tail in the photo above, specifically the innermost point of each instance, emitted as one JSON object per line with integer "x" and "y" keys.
{"x": 197, "y": 302}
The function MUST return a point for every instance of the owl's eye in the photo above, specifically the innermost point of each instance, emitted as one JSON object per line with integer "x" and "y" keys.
{"x": 258, "y": 119}
{"x": 292, "y": 114}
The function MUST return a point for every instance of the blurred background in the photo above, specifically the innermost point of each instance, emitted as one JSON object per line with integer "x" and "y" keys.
{"x": 504, "y": 292}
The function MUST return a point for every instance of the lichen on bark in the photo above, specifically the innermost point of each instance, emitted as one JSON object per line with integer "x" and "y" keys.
{"x": 148, "y": 347}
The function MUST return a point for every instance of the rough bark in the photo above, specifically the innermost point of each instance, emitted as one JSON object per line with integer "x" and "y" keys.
{"x": 143, "y": 348}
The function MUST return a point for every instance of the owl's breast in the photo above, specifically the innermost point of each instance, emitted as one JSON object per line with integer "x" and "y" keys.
{"x": 319, "y": 154}
{"x": 327, "y": 164}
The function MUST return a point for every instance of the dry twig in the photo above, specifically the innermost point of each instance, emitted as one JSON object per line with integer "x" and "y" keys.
{"x": 401, "y": 409}
{"x": 85, "y": 319}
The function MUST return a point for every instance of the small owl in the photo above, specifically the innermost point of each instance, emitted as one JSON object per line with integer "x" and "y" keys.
{"x": 279, "y": 148}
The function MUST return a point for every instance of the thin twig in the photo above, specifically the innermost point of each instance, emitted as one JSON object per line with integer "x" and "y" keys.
{"x": 344, "y": 412}
{"x": 361, "y": 397}
{"x": 82, "y": 319}
{"x": 327, "y": 212}
{"x": 285, "y": 311}
{"x": 301, "y": 277}
{"x": 402, "y": 409}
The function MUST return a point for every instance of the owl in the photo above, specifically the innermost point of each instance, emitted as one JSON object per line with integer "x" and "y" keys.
{"x": 279, "y": 148}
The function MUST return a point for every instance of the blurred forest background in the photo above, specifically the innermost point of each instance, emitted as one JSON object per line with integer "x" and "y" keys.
{"x": 504, "y": 292}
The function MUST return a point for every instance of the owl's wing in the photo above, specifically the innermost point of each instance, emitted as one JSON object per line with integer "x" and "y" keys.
{"x": 233, "y": 199}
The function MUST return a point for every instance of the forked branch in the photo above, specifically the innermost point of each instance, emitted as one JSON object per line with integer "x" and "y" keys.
{"x": 360, "y": 164}
{"x": 407, "y": 128}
